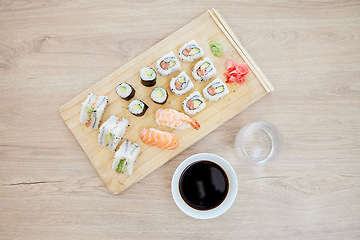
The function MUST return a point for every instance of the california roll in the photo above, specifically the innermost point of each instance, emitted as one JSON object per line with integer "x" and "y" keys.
{"x": 190, "y": 52}
{"x": 204, "y": 70}
{"x": 92, "y": 110}
{"x": 125, "y": 157}
{"x": 181, "y": 84}
{"x": 168, "y": 64}
{"x": 215, "y": 90}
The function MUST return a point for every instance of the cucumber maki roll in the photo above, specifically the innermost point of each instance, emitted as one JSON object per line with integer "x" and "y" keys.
{"x": 125, "y": 157}
{"x": 204, "y": 70}
{"x": 125, "y": 91}
{"x": 194, "y": 103}
{"x": 137, "y": 107}
{"x": 181, "y": 84}
{"x": 215, "y": 90}
{"x": 112, "y": 132}
{"x": 92, "y": 110}
{"x": 148, "y": 76}
{"x": 168, "y": 64}
{"x": 159, "y": 95}
{"x": 190, "y": 52}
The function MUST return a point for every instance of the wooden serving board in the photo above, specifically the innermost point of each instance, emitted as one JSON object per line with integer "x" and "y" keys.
{"x": 209, "y": 26}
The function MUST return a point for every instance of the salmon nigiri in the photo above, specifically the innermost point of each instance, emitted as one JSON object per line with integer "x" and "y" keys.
{"x": 154, "y": 137}
{"x": 174, "y": 119}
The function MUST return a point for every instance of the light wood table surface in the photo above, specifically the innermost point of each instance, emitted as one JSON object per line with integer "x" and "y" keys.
{"x": 50, "y": 51}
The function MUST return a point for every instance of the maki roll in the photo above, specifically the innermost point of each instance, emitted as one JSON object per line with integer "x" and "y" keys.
{"x": 181, "y": 84}
{"x": 215, "y": 90}
{"x": 92, "y": 110}
{"x": 112, "y": 132}
{"x": 159, "y": 95}
{"x": 204, "y": 70}
{"x": 148, "y": 76}
{"x": 190, "y": 52}
{"x": 125, "y": 157}
{"x": 194, "y": 103}
{"x": 125, "y": 91}
{"x": 137, "y": 107}
{"x": 168, "y": 64}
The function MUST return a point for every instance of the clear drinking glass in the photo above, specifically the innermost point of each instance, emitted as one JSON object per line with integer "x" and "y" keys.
{"x": 259, "y": 142}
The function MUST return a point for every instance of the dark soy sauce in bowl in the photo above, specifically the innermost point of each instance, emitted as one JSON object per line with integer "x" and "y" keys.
{"x": 203, "y": 185}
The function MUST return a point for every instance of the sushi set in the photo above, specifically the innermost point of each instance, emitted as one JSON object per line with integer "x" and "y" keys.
{"x": 163, "y": 101}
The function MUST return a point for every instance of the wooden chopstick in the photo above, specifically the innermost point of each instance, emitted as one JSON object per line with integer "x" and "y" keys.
{"x": 224, "y": 27}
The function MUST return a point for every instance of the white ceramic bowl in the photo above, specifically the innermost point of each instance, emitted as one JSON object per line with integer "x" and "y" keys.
{"x": 230, "y": 197}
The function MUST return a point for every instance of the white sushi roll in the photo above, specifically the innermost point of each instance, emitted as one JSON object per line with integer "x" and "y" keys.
{"x": 215, "y": 90}
{"x": 125, "y": 157}
{"x": 92, "y": 110}
{"x": 194, "y": 103}
{"x": 112, "y": 132}
{"x": 190, "y": 52}
{"x": 168, "y": 64}
{"x": 204, "y": 70}
{"x": 181, "y": 84}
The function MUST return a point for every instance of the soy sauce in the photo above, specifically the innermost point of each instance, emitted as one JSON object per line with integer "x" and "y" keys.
{"x": 203, "y": 185}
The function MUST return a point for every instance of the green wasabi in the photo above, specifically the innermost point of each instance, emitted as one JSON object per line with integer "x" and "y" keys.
{"x": 216, "y": 48}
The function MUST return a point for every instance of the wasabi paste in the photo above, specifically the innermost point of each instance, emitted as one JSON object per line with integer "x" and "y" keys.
{"x": 216, "y": 48}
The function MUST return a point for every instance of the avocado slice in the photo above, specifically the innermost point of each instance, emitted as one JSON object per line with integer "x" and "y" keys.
{"x": 197, "y": 103}
{"x": 122, "y": 89}
{"x": 181, "y": 80}
{"x": 136, "y": 107}
{"x": 194, "y": 51}
{"x": 204, "y": 65}
{"x": 121, "y": 164}
{"x": 219, "y": 89}
{"x": 89, "y": 109}
{"x": 158, "y": 93}
{"x": 149, "y": 72}
{"x": 171, "y": 63}
{"x": 109, "y": 137}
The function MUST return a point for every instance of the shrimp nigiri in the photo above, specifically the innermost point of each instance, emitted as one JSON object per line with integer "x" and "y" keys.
{"x": 174, "y": 119}
{"x": 154, "y": 137}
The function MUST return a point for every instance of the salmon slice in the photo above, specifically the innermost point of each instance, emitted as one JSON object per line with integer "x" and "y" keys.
{"x": 186, "y": 51}
{"x": 201, "y": 72}
{"x": 190, "y": 105}
{"x": 154, "y": 137}
{"x": 164, "y": 65}
{"x": 178, "y": 85}
{"x": 211, "y": 91}
{"x": 174, "y": 119}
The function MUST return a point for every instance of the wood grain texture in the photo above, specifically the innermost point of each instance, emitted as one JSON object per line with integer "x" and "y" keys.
{"x": 203, "y": 29}
{"x": 52, "y": 50}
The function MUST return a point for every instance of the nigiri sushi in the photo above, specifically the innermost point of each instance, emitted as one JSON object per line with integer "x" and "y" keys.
{"x": 154, "y": 137}
{"x": 174, "y": 119}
